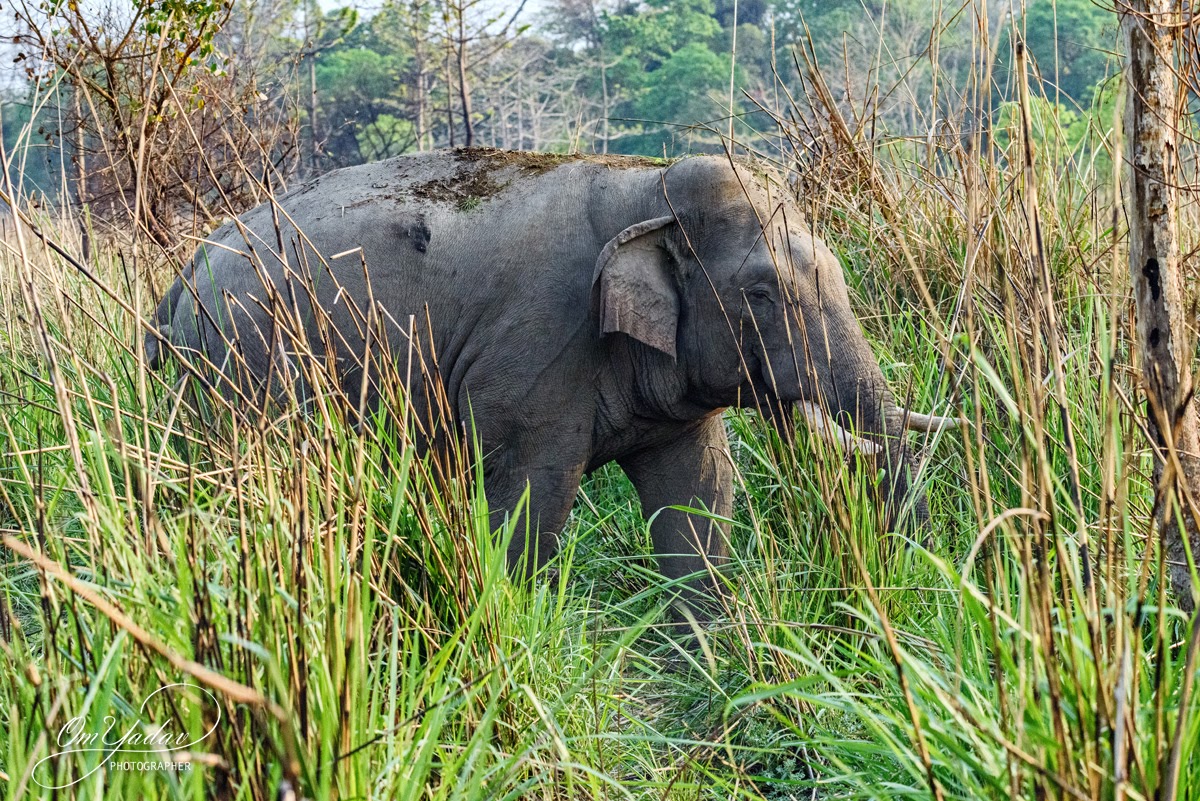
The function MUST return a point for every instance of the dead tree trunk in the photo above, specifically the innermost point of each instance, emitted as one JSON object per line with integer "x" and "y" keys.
{"x": 1150, "y": 29}
{"x": 314, "y": 140}
{"x": 464, "y": 89}
{"x": 419, "y": 86}
{"x": 81, "y": 193}
{"x": 449, "y": 97}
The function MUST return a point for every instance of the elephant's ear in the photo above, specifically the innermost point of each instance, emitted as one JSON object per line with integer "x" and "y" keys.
{"x": 637, "y": 294}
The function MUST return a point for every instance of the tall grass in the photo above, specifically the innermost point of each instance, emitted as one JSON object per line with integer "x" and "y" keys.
{"x": 339, "y": 607}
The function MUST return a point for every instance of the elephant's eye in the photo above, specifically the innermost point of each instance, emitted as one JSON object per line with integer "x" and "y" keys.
{"x": 758, "y": 294}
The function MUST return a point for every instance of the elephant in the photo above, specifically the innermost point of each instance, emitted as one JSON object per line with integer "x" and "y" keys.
{"x": 577, "y": 310}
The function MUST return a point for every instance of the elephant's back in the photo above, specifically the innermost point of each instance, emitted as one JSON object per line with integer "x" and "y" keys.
{"x": 436, "y": 227}
{"x": 452, "y": 205}
{"x": 457, "y": 234}
{"x": 458, "y": 182}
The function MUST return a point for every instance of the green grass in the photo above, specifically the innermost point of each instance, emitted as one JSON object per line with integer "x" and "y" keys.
{"x": 369, "y": 644}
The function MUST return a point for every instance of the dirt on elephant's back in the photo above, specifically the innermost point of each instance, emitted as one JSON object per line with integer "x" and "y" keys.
{"x": 473, "y": 180}
{"x": 540, "y": 162}
{"x": 467, "y": 187}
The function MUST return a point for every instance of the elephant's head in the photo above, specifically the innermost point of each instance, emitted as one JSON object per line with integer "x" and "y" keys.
{"x": 728, "y": 281}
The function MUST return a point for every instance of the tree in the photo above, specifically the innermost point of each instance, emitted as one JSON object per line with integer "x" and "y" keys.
{"x": 144, "y": 88}
{"x": 673, "y": 36}
{"x": 578, "y": 27}
{"x": 883, "y": 44}
{"x": 385, "y": 136}
{"x": 407, "y": 28}
{"x": 463, "y": 27}
{"x": 1152, "y": 116}
{"x": 32, "y": 149}
{"x": 321, "y": 33}
{"x": 359, "y": 86}
{"x": 680, "y": 89}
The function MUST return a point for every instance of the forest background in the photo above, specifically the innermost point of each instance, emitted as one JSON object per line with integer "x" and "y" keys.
{"x": 314, "y": 88}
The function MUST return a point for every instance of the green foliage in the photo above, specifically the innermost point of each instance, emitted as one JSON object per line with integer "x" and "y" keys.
{"x": 672, "y": 66}
{"x": 384, "y": 137}
{"x": 30, "y": 145}
{"x": 827, "y": 21}
{"x": 678, "y": 91}
{"x": 1061, "y": 135}
{"x": 353, "y": 77}
{"x": 191, "y": 22}
{"x": 648, "y": 37}
{"x": 1050, "y": 123}
{"x": 358, "y": 90}
{"x": 1071, "y": 42}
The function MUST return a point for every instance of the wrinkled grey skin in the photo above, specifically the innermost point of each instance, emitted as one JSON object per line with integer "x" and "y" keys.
{"x": 583, "y": 311}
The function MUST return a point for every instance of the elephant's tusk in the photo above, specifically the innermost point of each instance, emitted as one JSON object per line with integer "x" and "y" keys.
{"x": 926, "y": 422}
{"x": 824, "y": 426}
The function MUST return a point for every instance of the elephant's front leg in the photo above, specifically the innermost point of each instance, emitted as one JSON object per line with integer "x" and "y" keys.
{"x": 692, "y": 470}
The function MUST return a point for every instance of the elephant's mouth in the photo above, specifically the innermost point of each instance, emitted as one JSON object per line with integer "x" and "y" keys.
{"x": 905, "y": 507}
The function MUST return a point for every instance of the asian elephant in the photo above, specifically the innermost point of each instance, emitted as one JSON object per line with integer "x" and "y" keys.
{"x": 579, "y": 310}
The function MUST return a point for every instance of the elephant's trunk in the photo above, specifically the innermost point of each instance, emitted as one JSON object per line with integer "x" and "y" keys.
{"x": 864, "y": 405}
